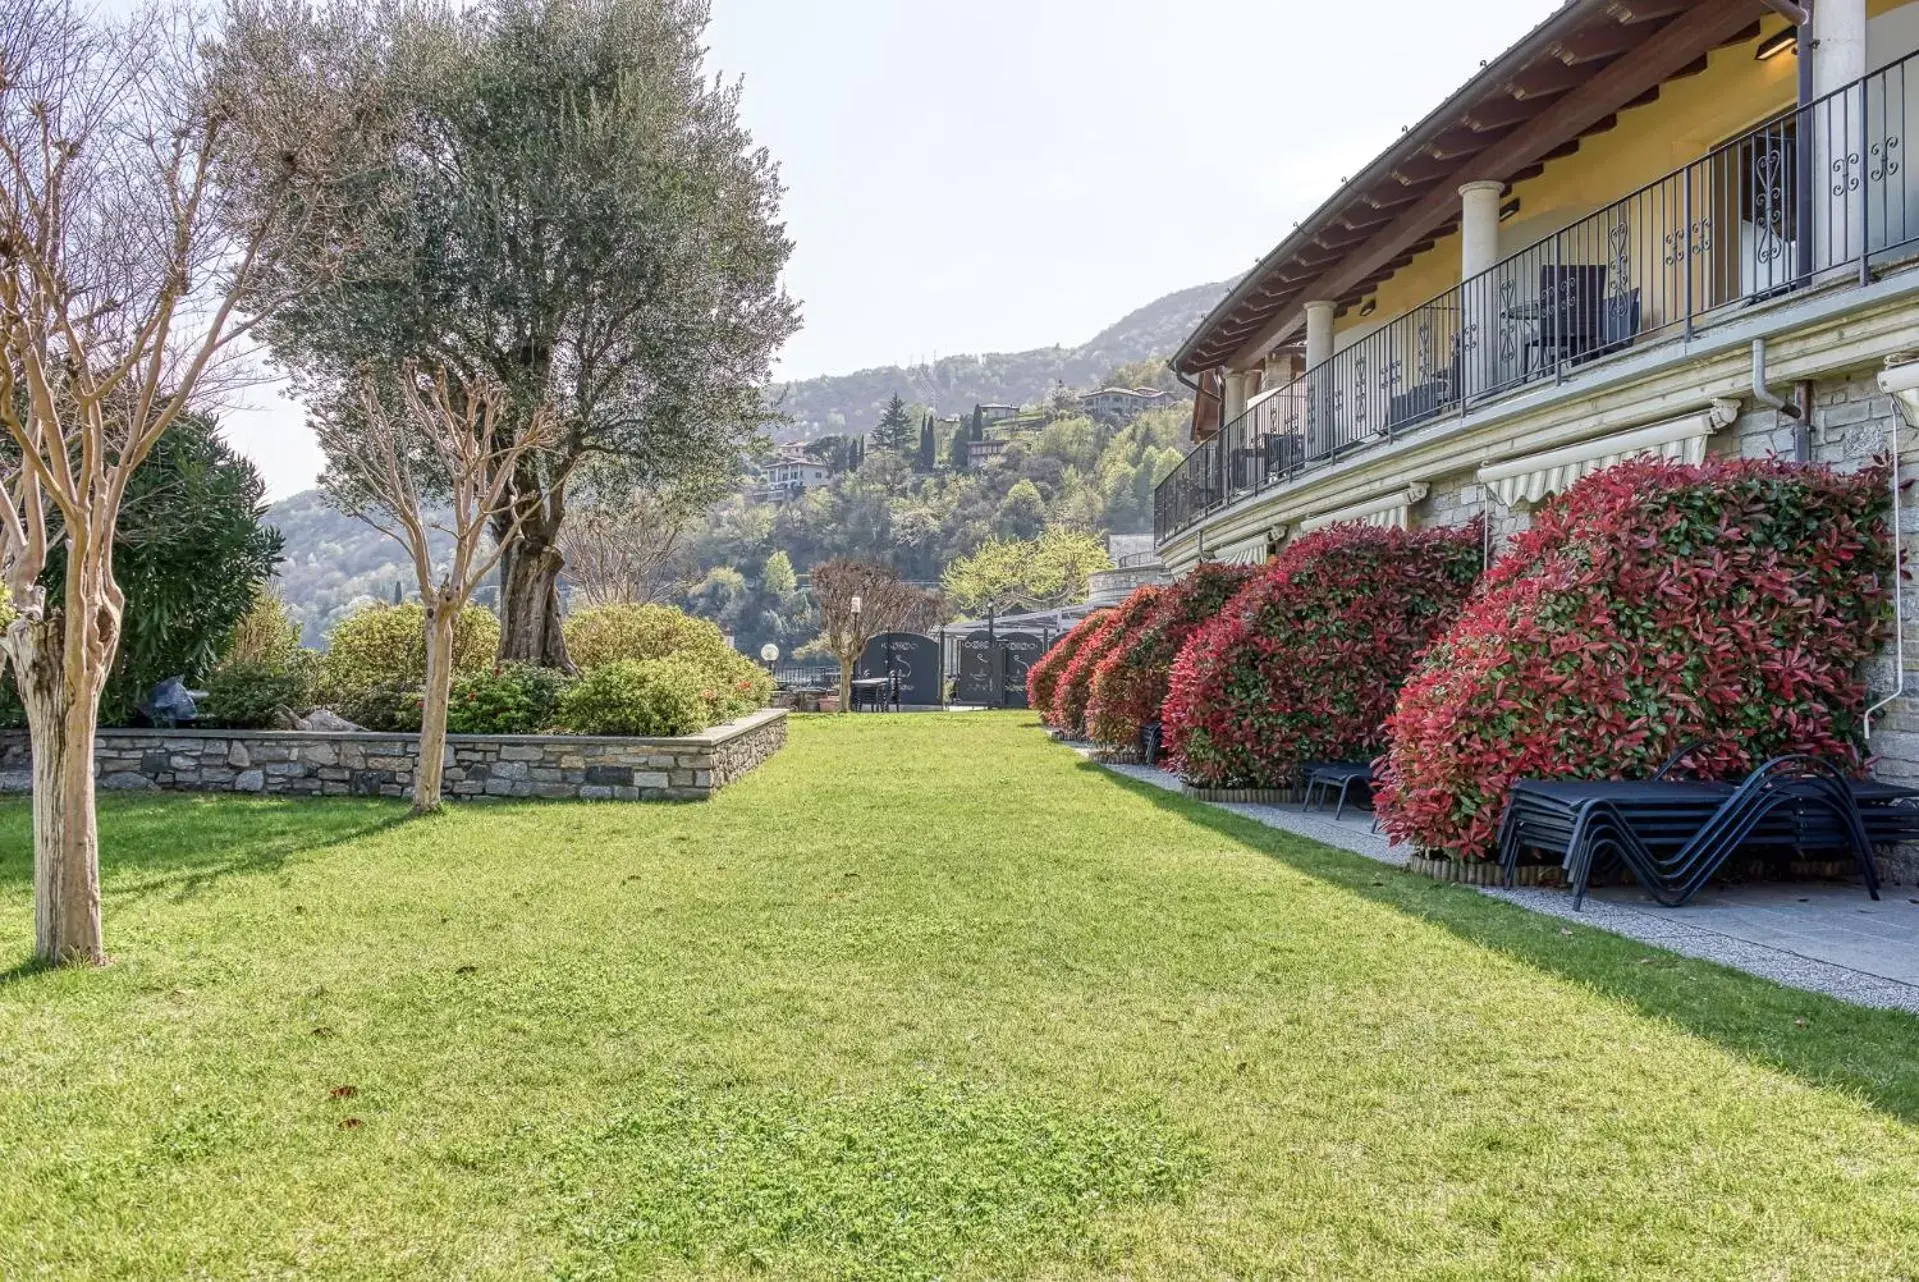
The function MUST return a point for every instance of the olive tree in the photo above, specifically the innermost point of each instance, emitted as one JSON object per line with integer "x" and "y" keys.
{"x": 574, "y": 208}
{"x": 125, "y": 250}
{"x": 441, "y": 463}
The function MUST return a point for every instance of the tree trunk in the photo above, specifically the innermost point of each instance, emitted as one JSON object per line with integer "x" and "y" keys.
{"x": 846, "y": 686}
{"x": 440, "y": 625}
{"x": 530, "y": 603}
{"x": 61, "y": 710}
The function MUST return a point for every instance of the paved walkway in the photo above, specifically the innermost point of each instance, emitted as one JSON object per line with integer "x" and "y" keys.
{"x": 1824, "y": 937}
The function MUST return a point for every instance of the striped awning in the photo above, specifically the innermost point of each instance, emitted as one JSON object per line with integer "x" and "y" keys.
{"x": 1530, "y": 479}
{"x": 1252, "y": 551}
{"x": 1388, "y": 511}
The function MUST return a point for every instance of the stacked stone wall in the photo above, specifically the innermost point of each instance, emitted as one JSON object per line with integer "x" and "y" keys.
{"x": 303, "y": 763}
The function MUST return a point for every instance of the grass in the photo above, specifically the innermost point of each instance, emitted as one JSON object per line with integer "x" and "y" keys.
{"x": 924, "y": 997}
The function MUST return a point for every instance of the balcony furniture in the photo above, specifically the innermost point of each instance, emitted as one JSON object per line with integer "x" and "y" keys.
{"x": 1422, "y": 402}
{"x": 1674, "y": 835}
{"x": 1619, "y": 320}
{"x": 1284, "y": 452}
{"x": 1571, "y": 314}
{"x": 1324, "y": 777}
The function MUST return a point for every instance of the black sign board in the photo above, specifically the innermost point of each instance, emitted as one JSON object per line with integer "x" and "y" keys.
{"x": 913, "y": 658}
{"x": 1018, "y": 652}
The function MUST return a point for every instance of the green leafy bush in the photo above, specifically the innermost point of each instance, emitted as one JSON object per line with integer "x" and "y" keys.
{"x": 266, "y": 634}
{"x": 638, "y": 697}
{"x": 375, "y": 665}
{"x": 242, "y": 694}
{"x": 389, "y": 708}
{"x": 606, "y": 634}
{"x": 510, "y": 698}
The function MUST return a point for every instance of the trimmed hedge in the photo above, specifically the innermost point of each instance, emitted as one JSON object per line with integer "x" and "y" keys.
{"x": 1652, "y": 604}
{"x": 1076, "y": 682}
{"x": 1303, "y": 665}
{"x": 1130, "y": 683}
{"x": 1042, "y": 678}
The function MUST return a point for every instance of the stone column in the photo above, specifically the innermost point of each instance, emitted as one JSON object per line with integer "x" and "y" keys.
{"x": 1840, "y": 132}
{"x": 1478, "y": 305}
{"x": 1321, "y": 431}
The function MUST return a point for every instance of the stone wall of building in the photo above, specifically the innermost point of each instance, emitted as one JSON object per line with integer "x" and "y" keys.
{"x": 305, "y": 763}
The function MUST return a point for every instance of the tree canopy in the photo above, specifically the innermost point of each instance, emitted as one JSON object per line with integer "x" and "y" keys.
{"x": 571, "y": 207}
{"x": 1013, "y": 574}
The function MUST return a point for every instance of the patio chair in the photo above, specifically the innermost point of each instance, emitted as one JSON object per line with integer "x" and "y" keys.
{"x": 1572, "y": 312}
{"x": 1322, "y": 777}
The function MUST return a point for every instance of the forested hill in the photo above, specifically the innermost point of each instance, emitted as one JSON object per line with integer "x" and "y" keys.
{"x": 954, "y": 384}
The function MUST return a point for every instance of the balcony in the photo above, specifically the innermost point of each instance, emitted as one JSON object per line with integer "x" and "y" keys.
{"x": 1817, "y": 194}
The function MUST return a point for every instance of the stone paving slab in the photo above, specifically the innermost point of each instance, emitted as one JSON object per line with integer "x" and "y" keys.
{"x": 1823, "y": 937}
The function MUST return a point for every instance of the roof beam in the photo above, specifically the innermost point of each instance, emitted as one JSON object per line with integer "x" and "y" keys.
{"x": 1670, "y": 49}
{"x": 1797, "y": 14}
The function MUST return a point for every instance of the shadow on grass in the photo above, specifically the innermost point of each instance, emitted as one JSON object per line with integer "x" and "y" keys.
{"x": 181, "y": 845}
{"x": 1871, "y": 1053}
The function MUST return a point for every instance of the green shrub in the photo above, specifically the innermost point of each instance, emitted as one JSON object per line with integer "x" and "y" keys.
{"x": 638, "y": 697}
{"x": 266, "y": 634}
{"x": 376, "y": 661}
{"x": 612, "y": 633}
{"x": 393, "y": 709}
{"x": 242, "y": 694}
{"x": 511, "y": 698}
{"x": 735, "y": 684}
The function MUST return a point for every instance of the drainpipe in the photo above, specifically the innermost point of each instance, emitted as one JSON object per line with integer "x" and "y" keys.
{"x": 1763, "y": 394}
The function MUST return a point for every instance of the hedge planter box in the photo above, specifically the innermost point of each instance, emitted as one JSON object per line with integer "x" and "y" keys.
{"x": 310, "y": 763}
{"x": 1483, "y": 872}
{"x": 1244, "y": 796}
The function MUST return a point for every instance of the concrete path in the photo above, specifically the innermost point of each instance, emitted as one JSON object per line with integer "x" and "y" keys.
{"x": 1825, "y": 937}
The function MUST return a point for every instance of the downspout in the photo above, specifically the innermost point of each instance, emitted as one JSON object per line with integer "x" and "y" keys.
{"x": 1763, "y": 394}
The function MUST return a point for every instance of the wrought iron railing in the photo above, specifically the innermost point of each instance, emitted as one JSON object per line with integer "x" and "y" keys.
{"x": 1794, "y": 202}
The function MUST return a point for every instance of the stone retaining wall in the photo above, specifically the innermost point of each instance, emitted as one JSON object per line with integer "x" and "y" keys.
{"x": 306, "y": 763}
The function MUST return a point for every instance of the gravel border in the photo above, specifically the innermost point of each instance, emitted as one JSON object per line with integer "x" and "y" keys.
{"x": 1666, "y": 928}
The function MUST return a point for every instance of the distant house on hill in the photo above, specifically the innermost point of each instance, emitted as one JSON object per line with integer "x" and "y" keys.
{"x": 790, "y": 473}
{"x": 991, "y": 414}
{"x": 1120, "y": 402}
{"x": 978, "y": 452}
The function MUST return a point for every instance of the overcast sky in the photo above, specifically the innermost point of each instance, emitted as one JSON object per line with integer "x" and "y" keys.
{"x": 993, "y": 175}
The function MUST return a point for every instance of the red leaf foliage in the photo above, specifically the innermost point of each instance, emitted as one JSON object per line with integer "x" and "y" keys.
{"x": 1130, "y": 683}
{"x": 1303, "y": 664}
{"x": 1652, "y": 604}
{"x": 1076, "y": 683}
{"x": 1042, "y": 677}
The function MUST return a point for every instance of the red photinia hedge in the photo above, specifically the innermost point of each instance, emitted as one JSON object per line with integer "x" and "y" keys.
{"x": 1652, "y": 604}
{"x": 1042, "y": 678}
{"x": 1076, "y": 683}
{"x": 1129, "y": 685}
{"x": 1303, "y": 664}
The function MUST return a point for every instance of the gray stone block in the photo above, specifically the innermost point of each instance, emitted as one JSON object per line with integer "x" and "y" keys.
{"x": 595, "y": 792}
{"x": 610, "y": 776}
{"x": 126, "y": 781}
{"x": 249, "y": 781}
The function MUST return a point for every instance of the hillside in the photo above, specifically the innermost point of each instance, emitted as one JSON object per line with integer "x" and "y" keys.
{"x": 335, "y": 562}
{"x": 953, "y": 385}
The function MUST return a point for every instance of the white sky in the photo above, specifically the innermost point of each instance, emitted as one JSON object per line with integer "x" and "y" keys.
{"x": 994, "y": 175}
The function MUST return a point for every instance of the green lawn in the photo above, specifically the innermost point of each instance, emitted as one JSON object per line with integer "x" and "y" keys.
{"x": 926, "y": 996}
